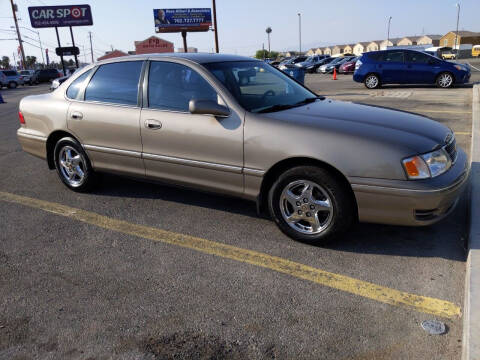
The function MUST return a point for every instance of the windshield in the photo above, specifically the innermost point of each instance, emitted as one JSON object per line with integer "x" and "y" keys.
{"x": 259, "y": 87}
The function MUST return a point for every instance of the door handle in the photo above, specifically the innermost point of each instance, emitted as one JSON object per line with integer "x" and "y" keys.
{"x": 77, "y": 115}
{"x": 153, "y": 124}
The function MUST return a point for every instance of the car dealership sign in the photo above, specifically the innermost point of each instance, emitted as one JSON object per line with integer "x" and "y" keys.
{"x": 56, "y": 16}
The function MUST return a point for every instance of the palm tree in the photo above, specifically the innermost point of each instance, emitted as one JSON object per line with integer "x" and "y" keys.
{"x": 268, "y": 31}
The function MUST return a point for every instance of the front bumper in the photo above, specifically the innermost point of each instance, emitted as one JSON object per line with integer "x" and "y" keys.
{"x": 411, "y": 203}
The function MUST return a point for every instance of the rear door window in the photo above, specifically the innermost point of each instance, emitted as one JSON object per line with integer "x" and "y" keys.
{"x": 115, "y": 83}
{"x": 417, "y": 57}
{"x": 393, "y": 56}
{"x": 10, "y": 73}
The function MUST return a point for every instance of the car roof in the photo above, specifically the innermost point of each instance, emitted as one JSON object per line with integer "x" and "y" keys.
{"x": 200, "y": 58}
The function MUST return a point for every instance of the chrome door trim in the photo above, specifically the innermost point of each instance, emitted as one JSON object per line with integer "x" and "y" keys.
{"x": 135, "y": 154}
{"x": 195, "y": 163}
{"x": 253, "y": 172}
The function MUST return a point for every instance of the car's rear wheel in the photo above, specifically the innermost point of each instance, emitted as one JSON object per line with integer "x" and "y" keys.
{"x": 372, "y": 81}
{"x": 310, "y": 204}
{"x": 12, "y": 84}
{"x": 73, "y": 166}
{"x": 445, "y": 80}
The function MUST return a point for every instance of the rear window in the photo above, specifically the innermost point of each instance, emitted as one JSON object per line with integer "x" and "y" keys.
{"x": 115, "y": 83}
{"x": 10, "y": 73}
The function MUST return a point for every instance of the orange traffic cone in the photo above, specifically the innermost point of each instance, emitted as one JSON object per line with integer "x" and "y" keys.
{"x": 334, "y": 73}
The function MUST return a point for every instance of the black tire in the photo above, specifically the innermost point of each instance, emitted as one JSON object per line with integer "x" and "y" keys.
{"x": 77, "y": 183}
{"x": 442, "y": 81}
{"x": 372, "y": 81}
{"x": 12, "y": 84}
{"x": 341, "y": 215}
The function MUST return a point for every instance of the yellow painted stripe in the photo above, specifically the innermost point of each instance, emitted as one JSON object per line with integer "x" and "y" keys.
{"x": 341, "y": 282}
{"x": 442, "y": 111}
{"x": 463, "y": 133}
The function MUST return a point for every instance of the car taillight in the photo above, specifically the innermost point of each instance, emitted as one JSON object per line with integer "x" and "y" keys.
{"x": 358, "y": 64}
{"x": 59, "y": 75}
{"x": 21, "y": 118}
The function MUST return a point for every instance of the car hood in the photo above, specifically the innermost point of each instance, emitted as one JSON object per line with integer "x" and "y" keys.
{"x": 414, "y": 132}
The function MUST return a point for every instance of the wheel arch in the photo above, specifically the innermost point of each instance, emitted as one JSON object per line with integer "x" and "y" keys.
{"x": 51, "y": 141}
{"x": 272, "y": 174}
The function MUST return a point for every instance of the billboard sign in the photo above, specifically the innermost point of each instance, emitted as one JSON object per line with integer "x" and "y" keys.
{"x": 57, "y": 16}
{"x": 176, "y": 20}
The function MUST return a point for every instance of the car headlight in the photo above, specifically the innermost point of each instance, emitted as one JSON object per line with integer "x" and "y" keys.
{"x": 427, "y": 165}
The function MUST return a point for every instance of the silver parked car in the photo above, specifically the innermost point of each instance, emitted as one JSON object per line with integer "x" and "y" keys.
{"x": 10, "y": 78}
{"x": 316, "y": 164}
{"x": 27, "y": 76}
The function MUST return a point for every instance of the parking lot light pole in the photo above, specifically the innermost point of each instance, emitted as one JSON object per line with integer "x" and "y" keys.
{"x": 456, "y": 33}
{"x": 268, "y": 31}
{"x": 388, "y": 31}
{"x": 299, "y": 32}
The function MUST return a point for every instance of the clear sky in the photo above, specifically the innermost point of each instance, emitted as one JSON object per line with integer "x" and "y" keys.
{"x": 242, "y": 23}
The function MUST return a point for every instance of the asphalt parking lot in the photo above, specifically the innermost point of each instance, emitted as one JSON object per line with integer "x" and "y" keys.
{"x": 142, "y": 271}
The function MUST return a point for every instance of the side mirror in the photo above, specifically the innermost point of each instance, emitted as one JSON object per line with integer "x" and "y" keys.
{"x": 207, "y": 107}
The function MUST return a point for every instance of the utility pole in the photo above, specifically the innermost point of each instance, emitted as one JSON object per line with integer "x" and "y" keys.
{"x": 91, "y": 47}
{"x": 215, "y": 25}
{"x": 388, "y": 31}
{"x": 18, "y": 32}
{"x": 299, "y": 33}
{"x": 456, "y": 33}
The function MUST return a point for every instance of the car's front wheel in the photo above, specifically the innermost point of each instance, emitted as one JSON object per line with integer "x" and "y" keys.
{"x": 73, "y": 166}
{"x": 445, "y": 80}
{"x": 372, "y": 81}
{"x": 12, "y": 84}
{"x": 311, "y": 204}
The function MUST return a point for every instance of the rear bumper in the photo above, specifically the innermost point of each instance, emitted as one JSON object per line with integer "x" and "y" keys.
{"x": 358, "y": 77}
{"x": 32, "y": 143}
{"x": 416, "y": 203}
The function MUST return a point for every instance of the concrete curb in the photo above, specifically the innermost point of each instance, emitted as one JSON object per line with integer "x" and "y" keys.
{"x": 471, "y": 317}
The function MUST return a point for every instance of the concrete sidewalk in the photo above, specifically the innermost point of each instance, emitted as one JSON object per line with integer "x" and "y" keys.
{"x": 471, "y": 329}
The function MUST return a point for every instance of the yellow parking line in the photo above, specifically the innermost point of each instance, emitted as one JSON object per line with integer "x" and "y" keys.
{"x": 463, "y": 133}
{"x": 341, "y": 282}
{"x": 442, "y": 111}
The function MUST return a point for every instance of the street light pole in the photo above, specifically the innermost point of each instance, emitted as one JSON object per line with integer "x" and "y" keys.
{"x": 268, "y": 31}
{"x": 299, "y": 32}
{"x": 456, "y": 33}
{"x": 388, "y": 31}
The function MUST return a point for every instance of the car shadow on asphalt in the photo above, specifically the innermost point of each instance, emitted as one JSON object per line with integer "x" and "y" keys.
{"x": 118, "y": 186}
{"x": 445, "y": 239}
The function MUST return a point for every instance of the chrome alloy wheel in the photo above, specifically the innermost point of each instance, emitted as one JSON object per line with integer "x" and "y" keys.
{"x": 371, "y": 82}
{"x": 306, "y": 207}
{"x": 445, "y": 80}
{"x": 72, "y": 166}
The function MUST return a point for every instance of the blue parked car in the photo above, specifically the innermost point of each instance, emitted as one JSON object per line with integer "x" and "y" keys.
{"x": 408, "y": 67}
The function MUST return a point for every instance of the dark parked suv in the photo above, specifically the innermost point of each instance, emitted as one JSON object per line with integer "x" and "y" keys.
{"x": 408, "y": 67}
{"x": 46, "y": 75}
